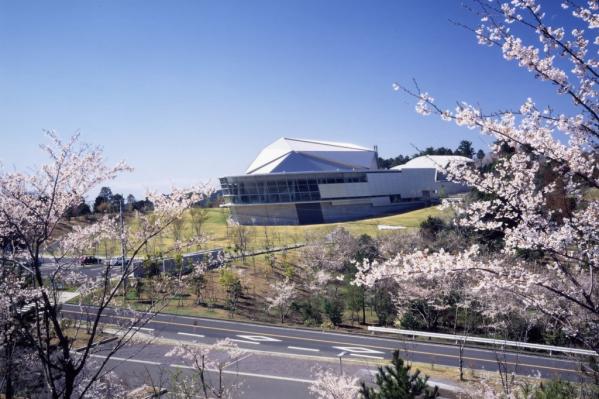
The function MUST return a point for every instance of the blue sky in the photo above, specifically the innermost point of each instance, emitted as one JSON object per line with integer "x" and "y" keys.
{"x": 187, "y": 91}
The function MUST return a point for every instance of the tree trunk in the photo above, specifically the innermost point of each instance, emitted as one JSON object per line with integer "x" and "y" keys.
{"x": 69, "y": 381}
{"x": 363, "y": 305}
{"x": 8, "y": 391}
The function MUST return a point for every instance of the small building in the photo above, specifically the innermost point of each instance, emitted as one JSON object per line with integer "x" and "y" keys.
{"x": 443, "y": 187}
{"x": 297, "y": 181}
{"x": 439, "y": 162}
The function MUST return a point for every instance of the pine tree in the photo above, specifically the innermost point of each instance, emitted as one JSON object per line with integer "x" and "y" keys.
{"x": 396, "y": 382}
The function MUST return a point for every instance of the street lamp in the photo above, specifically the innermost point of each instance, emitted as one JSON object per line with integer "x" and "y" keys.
{"x": 340, "y": 356}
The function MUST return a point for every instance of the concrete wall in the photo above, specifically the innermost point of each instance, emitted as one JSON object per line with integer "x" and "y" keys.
{"x": 342, "y": 190}
{"x": 449, "y": 188}
{"x": 265, "y": 214}
{"x": 409, "y": 183}
{"x": 332, "y": 211}
{"x": 344, "y": 212}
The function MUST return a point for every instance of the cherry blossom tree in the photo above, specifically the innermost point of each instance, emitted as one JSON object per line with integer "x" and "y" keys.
{"x": 283, "y": 293}
{"x": 197, "y": 279}
{"x": 549, "y": 254}
{"x": 239, "y": 235}
{"x": 331, "y": 385}
{"x": 107, "y": 385}
{"x": 33, "y": 207}
{"x": 323, "y": 259}
{"x": 198, "y": 217}
{"x": 14, "y": 349}
{"x": 207, "y": 359}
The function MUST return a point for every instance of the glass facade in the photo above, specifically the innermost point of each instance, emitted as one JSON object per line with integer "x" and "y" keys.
{"x": 268, "y": 189}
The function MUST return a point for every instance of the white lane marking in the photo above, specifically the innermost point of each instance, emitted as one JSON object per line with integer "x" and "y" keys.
{"x": 244, "y": 342}
{"x": 356, "y": 349}
{"x": 267, "y": 376}
{"x": 180, "y": 366}
{"x": 299, "y": 348}
{"x": 258, "y": 338}
{"x": 367, "y": 356}
{"x": 238, "y": 360}
{"x": 122, "y": 359}
{"x": 191, "y": 335}
{"x": 142, "y": 328}
{"x": 388, "y": 341}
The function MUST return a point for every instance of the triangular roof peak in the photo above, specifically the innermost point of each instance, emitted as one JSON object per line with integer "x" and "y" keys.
{"x": 339, "y": 146}
{"x": 438, "y": 162}
{"x": 328, "y": 155}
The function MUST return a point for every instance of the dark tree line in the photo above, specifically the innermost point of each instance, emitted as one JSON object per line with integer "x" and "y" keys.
{"x": 107, "y": 202}
{"x": 464, "y": 149}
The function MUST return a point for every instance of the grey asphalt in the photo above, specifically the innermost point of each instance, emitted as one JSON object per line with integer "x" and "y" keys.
{"x": 260, "y": 376}
{"x": 296, "y": 342}
{"x": 96, "y": 270}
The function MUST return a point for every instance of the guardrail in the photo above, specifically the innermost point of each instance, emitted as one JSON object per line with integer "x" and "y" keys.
{"x": 491, "y": 341}
{"x": 214, "y": 258}
{"x": 229, "y": 258}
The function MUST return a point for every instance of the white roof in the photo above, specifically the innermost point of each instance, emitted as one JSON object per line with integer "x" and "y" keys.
{"x": 438, "y": 162}
{"x": 301, "y": 155}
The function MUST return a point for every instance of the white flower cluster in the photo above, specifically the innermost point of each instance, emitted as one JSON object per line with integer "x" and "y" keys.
{"x": 283, "y": 293}
{"x": 33, "y": 209}
{"x": 540, "y": 194}
{"x": 208, "y": 358}
{"x": 331, "y": 385}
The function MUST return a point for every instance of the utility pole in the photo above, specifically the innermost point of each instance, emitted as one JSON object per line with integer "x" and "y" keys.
{"x": 123, "y": 265}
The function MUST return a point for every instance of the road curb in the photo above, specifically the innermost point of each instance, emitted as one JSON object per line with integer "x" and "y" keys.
{"x": 95, "y": 344}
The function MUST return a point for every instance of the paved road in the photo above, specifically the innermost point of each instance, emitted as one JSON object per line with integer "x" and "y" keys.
{"x": 49, "y": 267}
{"x": 305, "y": 343}
{"x": 260, "y": 376}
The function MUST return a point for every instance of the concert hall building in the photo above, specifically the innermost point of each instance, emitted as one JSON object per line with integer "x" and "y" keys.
{"x": 297, "y": 181}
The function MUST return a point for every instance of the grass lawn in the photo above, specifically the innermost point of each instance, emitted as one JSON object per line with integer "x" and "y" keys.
{"x": 220, "y": 235}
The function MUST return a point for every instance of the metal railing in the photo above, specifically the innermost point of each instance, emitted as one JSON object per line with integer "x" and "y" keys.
{"x": 213, "y": 257}
{"x": 480, "y": 340}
